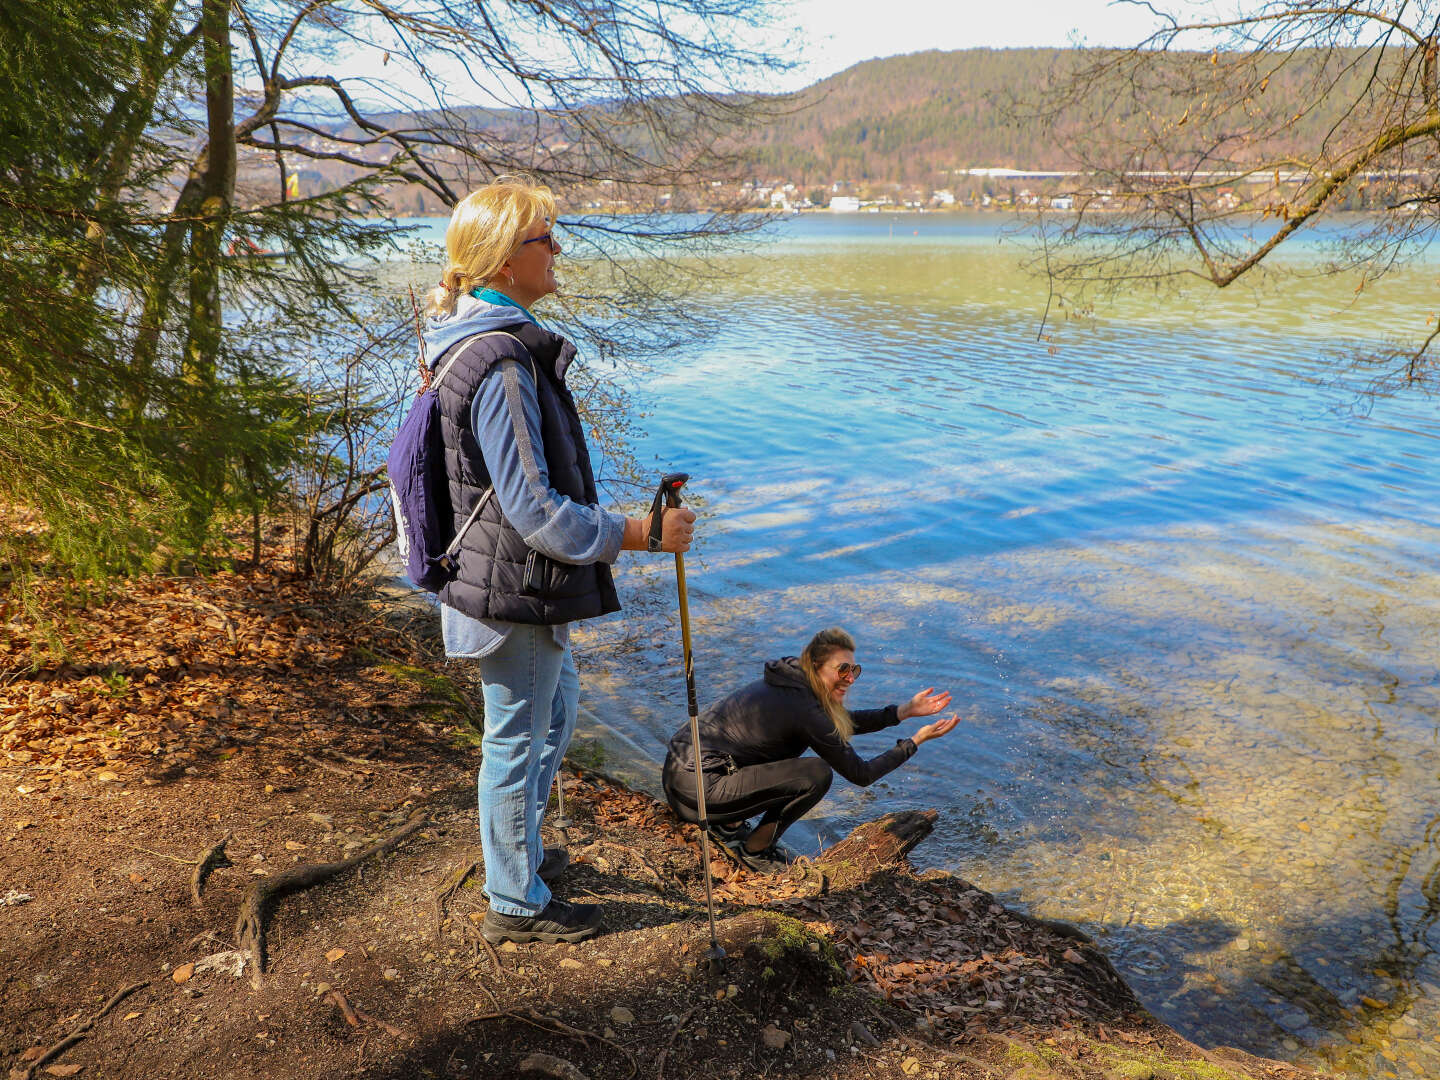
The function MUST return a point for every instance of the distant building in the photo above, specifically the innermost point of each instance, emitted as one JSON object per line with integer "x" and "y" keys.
{"x": 845, "y": 204}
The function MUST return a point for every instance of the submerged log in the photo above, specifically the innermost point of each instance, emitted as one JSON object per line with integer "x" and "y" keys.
{"x": 875, "y": 846}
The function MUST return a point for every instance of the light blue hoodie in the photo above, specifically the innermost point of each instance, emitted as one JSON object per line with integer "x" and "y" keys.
{"x": 505, "y": 417}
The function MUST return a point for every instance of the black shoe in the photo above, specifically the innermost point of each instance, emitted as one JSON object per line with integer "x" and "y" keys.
{"x": 558, "y": 922}
{"x": 731, "y": 834}
{"x": 553, "y": 865}
{"x": 768, "y": 861}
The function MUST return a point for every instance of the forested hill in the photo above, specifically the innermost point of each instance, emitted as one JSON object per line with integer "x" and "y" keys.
{"x": 911, "y": 118}
{"x": 908, "y": 117}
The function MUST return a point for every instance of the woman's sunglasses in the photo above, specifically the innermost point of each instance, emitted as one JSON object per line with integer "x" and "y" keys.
{"x": 545, "y": 238}
{"x": 848, "y": 671}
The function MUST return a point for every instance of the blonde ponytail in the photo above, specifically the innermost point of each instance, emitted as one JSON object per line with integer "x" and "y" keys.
{"x": 485, "y": 230}
{"x": 822, "y": 646}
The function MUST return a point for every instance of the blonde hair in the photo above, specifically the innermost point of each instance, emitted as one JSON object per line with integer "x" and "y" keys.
{"x": 822, "y": 646}
{"x": 485, "y": 230}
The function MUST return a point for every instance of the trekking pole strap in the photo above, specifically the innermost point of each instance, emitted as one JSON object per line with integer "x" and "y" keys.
{"x": 667, "y": 495}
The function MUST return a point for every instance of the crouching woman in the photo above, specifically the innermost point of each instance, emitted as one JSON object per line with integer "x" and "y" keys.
{"x": 752, "y": 742}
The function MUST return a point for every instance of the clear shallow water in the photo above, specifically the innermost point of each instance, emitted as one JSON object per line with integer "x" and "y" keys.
{"x": 1186, "y": 600}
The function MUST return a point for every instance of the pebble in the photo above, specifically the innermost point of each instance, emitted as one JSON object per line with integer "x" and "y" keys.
{"x": 570, "y": 962}
{"x": 621, "y": 1015}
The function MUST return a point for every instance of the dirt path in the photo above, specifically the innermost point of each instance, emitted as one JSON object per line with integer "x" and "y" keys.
{"x": 284, "y": 738}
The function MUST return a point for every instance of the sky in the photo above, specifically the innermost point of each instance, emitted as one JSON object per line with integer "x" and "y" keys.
{"x": 835, "y": 34}
{"x": 827, "y": 36}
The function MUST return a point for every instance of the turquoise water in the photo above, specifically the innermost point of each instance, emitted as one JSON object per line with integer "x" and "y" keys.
{"x": 1185, "y": 596}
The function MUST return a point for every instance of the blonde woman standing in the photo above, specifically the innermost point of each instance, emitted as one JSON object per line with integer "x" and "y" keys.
{"x": 538, "y": 555}
{"x": 752, "y": 741}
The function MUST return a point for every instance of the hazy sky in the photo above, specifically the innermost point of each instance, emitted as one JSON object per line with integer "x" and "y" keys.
{"x": 834, "y": 34}
{"x": 827, "y": 36}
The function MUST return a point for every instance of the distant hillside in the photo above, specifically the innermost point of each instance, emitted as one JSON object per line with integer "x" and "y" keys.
{"x": 906, "y": 118}
{"x": 911, "y": 118}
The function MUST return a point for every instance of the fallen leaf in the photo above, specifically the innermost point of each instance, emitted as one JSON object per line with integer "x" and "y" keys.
{"x": 63, "y": 1070}
{"x": 183, "y": 972}
{"x": 131, "y": 1015}
{"x": 137, "y": 878}
{"x": 33, "y": 1053}
{"x": 108, "y": 777}
{"x": 334, "y": 954}
{"x": 1072, "y": 956}
{"x": 621, "y": 1015}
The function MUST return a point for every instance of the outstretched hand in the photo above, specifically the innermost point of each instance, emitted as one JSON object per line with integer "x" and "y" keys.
{"x": 935, "y": 730}
{"x": 925, "y": 703}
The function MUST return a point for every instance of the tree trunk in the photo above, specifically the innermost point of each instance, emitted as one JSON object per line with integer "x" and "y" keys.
{"x": 205, "y": 321}
{"x": 876, "y": 846}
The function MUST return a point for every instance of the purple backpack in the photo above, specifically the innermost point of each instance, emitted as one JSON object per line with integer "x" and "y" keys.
{"x": 420, "y": 491}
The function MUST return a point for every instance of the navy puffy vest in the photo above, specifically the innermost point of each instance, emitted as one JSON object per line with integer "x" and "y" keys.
{"x": 492, "y": 578}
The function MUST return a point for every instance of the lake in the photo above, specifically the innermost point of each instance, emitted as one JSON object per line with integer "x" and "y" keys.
{"x": 1185, "y": 595}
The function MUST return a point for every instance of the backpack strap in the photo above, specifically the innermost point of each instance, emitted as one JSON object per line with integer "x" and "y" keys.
{"x": 454, "y": 545}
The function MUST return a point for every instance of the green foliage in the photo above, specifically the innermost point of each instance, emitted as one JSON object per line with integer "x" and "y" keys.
{"x": 194, "y": 331}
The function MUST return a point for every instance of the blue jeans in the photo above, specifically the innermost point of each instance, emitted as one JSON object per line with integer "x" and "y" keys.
{"x": 532, "y": 695}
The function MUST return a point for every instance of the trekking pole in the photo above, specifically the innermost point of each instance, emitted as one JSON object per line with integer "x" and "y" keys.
{"x": 668, "y": 495}
{"x": 560, "y": 821}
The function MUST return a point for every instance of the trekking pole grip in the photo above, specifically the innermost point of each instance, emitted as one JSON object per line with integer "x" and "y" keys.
{"x": 667, "y": 495}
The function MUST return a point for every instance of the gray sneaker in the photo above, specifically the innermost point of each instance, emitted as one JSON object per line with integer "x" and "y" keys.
{"x": 553, "y": 865}
{"x": 559, "y": 921}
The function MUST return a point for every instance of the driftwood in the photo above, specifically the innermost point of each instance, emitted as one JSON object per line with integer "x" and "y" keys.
{"x": 875, "y": 846}
{"x": 250, "y": 926}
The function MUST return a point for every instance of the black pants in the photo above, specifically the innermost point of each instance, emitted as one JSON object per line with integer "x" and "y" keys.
{"x": 783, "y": 791}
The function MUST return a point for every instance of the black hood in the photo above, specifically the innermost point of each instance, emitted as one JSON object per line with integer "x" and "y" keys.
{"x": 786, "y": 672}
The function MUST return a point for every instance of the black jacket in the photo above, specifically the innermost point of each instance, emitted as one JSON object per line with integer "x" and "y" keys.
{"x": 779, "y": 717}
{"x": 491, "y": 583}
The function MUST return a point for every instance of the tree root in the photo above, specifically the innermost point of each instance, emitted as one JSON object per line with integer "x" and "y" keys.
{"x": 552, "y": 1066}
{"x": 628, "y": 855}
{"x": 679, "y": 1027}
{"x": 545, "y": 1022}
{"x": 452, "y": 883}
{"x": 212, "y": 859}
{"x": 254, "y": 911}
{"x": 76, "y": 1035}
{"x": 328, "y": 766}
{"x": 355, "y": 1017}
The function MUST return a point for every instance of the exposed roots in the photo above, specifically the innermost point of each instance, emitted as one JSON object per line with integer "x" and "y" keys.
{"x": 76, "y": 1035}
{"x": 212, "y": 859}
{"x": 545, "y": 1022}
{"x": 356, "y": 1016}
{"x": 446, "y": 891}
{"x": 250, "y": 925}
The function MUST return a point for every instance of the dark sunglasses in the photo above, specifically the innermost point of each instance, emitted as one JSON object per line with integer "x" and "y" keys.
{"x": 848, "y": 671}
{"x": 545, "y": 237}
